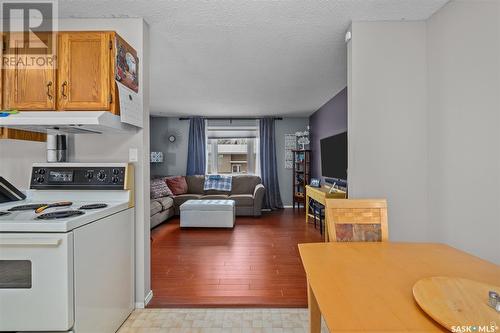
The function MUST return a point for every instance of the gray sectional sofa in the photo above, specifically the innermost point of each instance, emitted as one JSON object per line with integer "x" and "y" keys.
{"x": 247, "y": 192}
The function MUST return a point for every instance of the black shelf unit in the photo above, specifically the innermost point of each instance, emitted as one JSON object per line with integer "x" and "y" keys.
{"x": 301, "y": 175}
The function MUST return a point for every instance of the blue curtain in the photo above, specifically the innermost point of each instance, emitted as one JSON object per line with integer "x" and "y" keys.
{"x": 268, "y": 165}
{"x": 196, "y": 147}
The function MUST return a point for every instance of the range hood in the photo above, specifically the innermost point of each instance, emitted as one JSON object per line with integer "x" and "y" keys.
{"x": 76, "y": 122}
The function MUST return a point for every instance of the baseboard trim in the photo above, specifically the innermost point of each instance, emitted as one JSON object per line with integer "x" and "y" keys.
{"x": 287, "y": 206}
{"x": 142, "y": 305}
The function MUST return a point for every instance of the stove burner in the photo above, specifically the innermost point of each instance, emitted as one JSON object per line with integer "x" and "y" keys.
{"x": 26, "y": 207}
{"x": 60, "y": 214}
{"x": 94, "y": 206}
{"x": 4, "y": 213}
{"x": 53, "y": 205}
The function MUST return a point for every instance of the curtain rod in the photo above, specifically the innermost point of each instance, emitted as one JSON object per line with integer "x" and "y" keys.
{"x": 230, "y": 118}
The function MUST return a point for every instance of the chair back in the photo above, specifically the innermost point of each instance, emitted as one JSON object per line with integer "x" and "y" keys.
{"x": 357, "y": 220}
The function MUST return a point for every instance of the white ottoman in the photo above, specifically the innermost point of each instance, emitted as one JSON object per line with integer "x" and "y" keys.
{"x": 208, "y": 213}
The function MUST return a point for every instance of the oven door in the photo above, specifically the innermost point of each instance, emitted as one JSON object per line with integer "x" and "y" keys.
{"x": 36, "y": 282}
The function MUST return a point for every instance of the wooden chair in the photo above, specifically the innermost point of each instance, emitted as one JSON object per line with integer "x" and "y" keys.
{"x": 349, "y": 220}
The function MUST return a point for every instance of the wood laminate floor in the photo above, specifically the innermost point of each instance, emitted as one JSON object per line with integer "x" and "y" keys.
{"x": 256, "y": 264}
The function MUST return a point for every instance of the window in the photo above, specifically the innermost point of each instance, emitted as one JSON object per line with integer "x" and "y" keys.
{"x": 232, "y": 150}
{"x": 236, "y": 168}
{"x": 16, "y": 274}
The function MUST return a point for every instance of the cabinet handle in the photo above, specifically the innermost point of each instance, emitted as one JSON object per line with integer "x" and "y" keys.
{"x": 29, "y": 242}
{"x": 49, "y": 95}
{"x": 63, "y": 92}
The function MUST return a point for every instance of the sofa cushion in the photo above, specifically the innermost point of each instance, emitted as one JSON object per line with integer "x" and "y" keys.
{"x": 242, "y": 199}
{"x": 180, "y": 199}
{"x": 166, "y": 202}
{"x": 161, "y": 217}
{"x": 215, "y": 192}
{"x": 156, "y": 207}
{"x": 159, "y": 188}
{"x": 214, "y": 197}
{"x": 245, "y": 184}
{"x": 178, "y": 185}
{"x": 195, "y": 184}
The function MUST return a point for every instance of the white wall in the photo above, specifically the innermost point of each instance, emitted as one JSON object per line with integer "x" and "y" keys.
{"x": 424, "y": 116}
{"x": 387, "y": 122}
{"x": 464, "y": 126}
{"x": 285, "y": 176}
{"x": 16, "y": 157}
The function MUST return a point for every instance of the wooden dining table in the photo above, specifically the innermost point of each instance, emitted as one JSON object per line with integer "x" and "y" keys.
{"x": 367, "y": 287}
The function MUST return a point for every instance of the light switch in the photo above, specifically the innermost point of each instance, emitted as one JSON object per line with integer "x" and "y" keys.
{"x": 133, "y": 155}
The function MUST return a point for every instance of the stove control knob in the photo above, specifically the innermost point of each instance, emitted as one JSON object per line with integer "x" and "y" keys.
{"x": 89, "y": 175}
{"x": 40, "y": 179}
{"x": 41, "y": 171}
{"x": 101, "y": 176}
{"x": 116, "y": 171}
{"x": 115, "y": 180}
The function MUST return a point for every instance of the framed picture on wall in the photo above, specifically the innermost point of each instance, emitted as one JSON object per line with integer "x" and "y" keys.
{"x": 127, "y": 65}
{"x": 315, "y": 182}
{"x": 290, "y": 145}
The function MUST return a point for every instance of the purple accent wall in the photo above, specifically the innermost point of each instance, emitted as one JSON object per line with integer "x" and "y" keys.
{"x": 328, "y": 120}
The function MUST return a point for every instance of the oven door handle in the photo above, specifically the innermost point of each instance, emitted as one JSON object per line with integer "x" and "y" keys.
{"x": 29, "y": 242}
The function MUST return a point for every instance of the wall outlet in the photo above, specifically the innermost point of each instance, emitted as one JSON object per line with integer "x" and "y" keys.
{"x": 133, "y": 155}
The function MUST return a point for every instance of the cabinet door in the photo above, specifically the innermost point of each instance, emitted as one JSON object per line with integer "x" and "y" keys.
{"x": 28, "y": 86}
{"x": 16, "y": 134}
{"x": 84, "y": 70}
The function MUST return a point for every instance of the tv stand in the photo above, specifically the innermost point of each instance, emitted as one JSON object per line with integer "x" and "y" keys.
{"x": 320, "y": 195}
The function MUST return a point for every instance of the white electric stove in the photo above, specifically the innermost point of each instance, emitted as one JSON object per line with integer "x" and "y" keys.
{"x": 20, "y": 216}
{"x": 67, "y": 250}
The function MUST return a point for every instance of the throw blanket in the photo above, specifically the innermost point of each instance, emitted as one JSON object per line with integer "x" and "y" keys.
{"x": 218, "y": 183}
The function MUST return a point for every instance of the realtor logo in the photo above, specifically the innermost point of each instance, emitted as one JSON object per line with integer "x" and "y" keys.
{"x": 29, "y": 28}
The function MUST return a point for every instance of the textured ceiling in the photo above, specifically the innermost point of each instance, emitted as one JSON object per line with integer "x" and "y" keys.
{"x": 248, "y": 57}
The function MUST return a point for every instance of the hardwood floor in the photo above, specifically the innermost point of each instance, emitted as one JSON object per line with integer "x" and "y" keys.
{"x": 256, "y": 264}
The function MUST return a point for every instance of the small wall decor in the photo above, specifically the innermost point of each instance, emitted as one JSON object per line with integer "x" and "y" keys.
{"x": 156, "y": 157}
{"x": 290, "y": 145}
{"x": 174, "y": 137}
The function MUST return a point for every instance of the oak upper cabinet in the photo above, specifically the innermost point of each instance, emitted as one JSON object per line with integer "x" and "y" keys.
{"x": 84, "y": 71}
{"x": 16, "y": 134}
{"x": 28, "y": 86}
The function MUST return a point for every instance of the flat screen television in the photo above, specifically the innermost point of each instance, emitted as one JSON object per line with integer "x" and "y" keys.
{"x": 334, "y": 156}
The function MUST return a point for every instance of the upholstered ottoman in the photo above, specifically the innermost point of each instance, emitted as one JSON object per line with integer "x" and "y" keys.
{"x": 208, "y": 213}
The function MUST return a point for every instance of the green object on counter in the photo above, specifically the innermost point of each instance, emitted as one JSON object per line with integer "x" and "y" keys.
{"x": 7, "y": 113}
{"x": 11, "y": 111}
